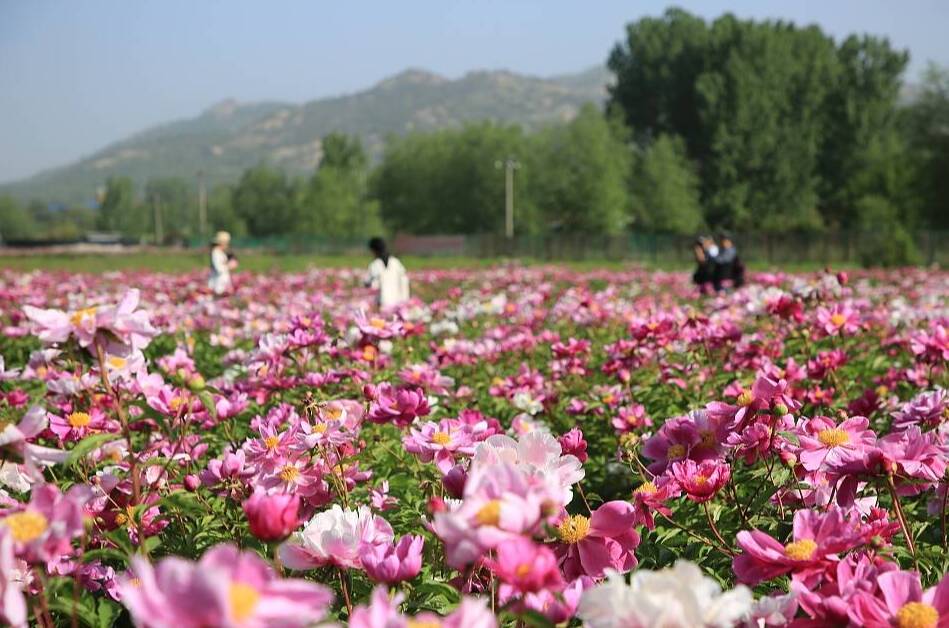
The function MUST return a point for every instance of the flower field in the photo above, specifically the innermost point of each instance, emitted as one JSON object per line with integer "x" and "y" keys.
{"x": 516, "y": 446}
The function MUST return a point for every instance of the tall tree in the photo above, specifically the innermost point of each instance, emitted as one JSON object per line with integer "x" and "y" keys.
{"x": 927, "y": 126}
{"x": 665, "y": 192}
{"x": 266, "y": 201}
{"x": 580, "y": 181}
{"x": 119, "y": 210}
{"x": 335, "y": 202}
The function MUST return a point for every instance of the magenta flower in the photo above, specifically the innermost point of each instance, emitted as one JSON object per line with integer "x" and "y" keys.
{"x": 673, "y": 442}
{"x": 818, "y": 537}
{"x": 902, "y": 602}
{"x": 44, "y": 529}
{"x": 931, "y": 347}
{"x": 526, "y": 566}
{"x": 605, "y": 540}
{"x": 629, "y": 418}
{"x": 390, "y": 564}
{"x": 572, "y": 444}
{"x": 441, "y": 442}
{"x": 398, "y": 405}
{"x": 376, "y": 327}
{"x": 77, "y": 425}
{"x": 12, "y": 602}
{"x": 226, "y": 587}
{"x": 841, "y": 319}
{"x": 701, "y": 481}
{"x": 651, "y": 496}
{"x": 272, "y": 517}
{"x": 826, "y": 445}
{"x": 380, "y": 498}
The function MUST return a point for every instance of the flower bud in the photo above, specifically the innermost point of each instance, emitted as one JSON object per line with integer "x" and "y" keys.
{"x": 192, "y": 482}
{"x": 780, "y": 409}
{"x": 272, "y": 517}
{"x": 196, "y": 383}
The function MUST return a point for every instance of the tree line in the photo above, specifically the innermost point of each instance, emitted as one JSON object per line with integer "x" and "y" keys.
{"x": 740, "y": 124}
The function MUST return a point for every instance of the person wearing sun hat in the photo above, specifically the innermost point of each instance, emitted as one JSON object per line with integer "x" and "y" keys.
{"x": 222, "y": 263}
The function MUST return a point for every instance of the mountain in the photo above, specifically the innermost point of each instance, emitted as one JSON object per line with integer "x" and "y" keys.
{"x": 230, "y": 136}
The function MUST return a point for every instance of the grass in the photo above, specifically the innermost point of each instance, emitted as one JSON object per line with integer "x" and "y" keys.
{"x": 181, "y": 261}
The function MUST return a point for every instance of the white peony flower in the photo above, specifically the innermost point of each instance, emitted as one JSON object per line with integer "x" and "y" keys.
{"x": 526, "y": 402}
{"x": 536, "y": 454}
{"x": 335, "y": 537}
{"x": 679, "y": 597}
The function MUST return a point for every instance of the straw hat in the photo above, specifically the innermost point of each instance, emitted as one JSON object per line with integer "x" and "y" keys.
{"x": 222, "y": 237}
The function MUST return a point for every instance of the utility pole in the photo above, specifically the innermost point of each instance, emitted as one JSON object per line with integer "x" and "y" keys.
{"x": 509, "y": 165}
{"x": 159, "y": 232}
{"x": 202, "y": 206}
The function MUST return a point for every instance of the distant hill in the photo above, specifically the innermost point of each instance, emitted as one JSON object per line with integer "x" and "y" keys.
{"x": 230, "y": 136}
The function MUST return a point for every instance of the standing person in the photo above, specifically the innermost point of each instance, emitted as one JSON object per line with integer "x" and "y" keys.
{"x": 728, "y": 266}
{"x": 387, "y": 276}
{"x": 704, "y": 265}
{"x": 222, "y": 263}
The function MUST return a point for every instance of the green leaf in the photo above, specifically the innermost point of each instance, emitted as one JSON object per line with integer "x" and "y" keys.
{"x": 87, "y": 445}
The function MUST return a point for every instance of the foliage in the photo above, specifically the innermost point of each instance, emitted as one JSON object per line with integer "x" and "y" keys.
{"x": 664, "y": 188}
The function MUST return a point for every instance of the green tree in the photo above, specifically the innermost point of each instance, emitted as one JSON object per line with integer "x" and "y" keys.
{"x": 580, "y": 181}
{"x": 119, "y": 210}
{"x": 447, "y": 181}
{"x": 15, "y": 221}
{"x": 266, "y": 201}
{"x": 665, "y": 192}
{"x": 336, "y": 201}
{"x": 926, "y": 123}
{"x": 177, "y": 202}
{"x": 863, "y": 151}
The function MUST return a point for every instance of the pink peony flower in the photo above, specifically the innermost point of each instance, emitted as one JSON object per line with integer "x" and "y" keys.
{"x": 902, "y": 602}
{"x": 440, "y": 442}
{"x": 335, "y": 537}
{"x": 826, "y": 445}
{"x": 44, "y": 529}
{"x": 572, "y": 444}
{"x": 12, "y": 602}
{"x": 272, "y": 517}
{"x": 400, "y": 406}
{"x": 818, "y": 538}
{"x": 394, "y": 563}
{"x": 526, "y": 566}
{"x": 226, "y": 587}
{"x": 605, "y": 540}
{"x": 701, "y": 481}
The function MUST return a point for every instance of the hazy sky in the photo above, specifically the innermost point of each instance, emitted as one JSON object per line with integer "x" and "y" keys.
{"x": 77, "y": 75}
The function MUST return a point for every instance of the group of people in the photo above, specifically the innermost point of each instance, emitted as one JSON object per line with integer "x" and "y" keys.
{"x": 718, "y": 266}
{"x": 386, "y": 274}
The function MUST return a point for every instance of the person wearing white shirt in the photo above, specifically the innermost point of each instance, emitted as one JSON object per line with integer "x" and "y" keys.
{"x": 219, "y": 279}
{"x": 387, "y": 276}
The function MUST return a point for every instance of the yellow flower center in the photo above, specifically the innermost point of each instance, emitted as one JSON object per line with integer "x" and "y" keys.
{"x": 800, "y": 550}
{"x": 289, "y": 473}
{"x": 833, "y": 437}
{"x": 243, "y": 599}
{"x": 497, "y": 381}
{"x": 917, "y": 615}
{"x": 26, "y": 526}
{"x": 125, "y": 517}
{"x": 377, "y": 323}
{"x": 271, "y": 442}
{"x": 648, "y": 488}
{"x": 676, "y": 451}
{"x": 441, "y": 438}
{"x": 369, "y": 353}
{"x": 701, "y": 480}
{"x": 116, "y": 362}
{"x": 135, "y": 582}
{"x": 609, "y": 398}
{"x": 79, "y": 315}
{"x": 176, "y": 403}
{"x": 523, "y": 569}
{"x": 489, "y": 514}
{"x": 79, "y": 419}
{"x": 708, "y": 438}
{"x": 882, "y": 391}
{"x": 838, "y": 320}
{"x": 333, "y": 412}
{"x": 320, "y": 428}
{"x": 573, "y": 529}
{"x": 412, "y": 623}
{"x": 745, "y": 399}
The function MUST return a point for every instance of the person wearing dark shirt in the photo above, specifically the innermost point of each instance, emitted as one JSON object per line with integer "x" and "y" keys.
{"x": 728, "y": 266}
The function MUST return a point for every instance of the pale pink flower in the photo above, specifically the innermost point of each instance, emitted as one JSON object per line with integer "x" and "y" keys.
{"x": 335, "y": 537}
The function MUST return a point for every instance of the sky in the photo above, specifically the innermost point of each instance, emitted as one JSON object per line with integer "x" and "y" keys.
{"x": 78, "y": 75}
